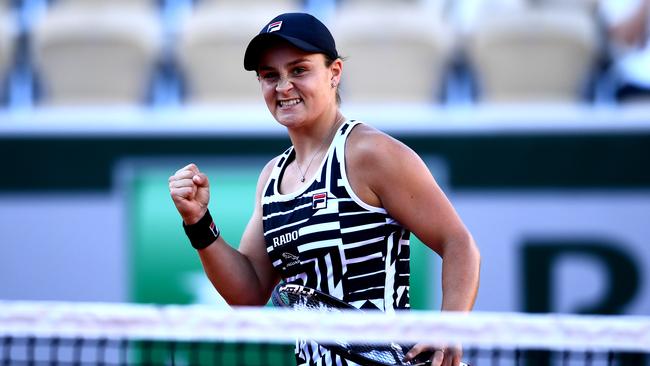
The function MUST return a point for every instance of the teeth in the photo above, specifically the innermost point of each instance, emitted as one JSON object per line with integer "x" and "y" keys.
{"x": 288, "y": 103}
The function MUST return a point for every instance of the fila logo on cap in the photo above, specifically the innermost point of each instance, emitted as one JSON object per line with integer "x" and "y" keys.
{"x": 275, "y": 26}
{"x": 319, "y": 200}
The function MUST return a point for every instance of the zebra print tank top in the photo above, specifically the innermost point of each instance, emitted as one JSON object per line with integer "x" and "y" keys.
{"x": 323, "y": 236}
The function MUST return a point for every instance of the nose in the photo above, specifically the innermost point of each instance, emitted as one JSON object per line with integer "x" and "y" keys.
{"x": 284, "y": 84}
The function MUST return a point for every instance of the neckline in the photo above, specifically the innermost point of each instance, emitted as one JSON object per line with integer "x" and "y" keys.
{"x": 310, "y": 181}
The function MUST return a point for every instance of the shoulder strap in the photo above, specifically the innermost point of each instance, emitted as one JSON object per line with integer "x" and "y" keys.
{"x": 337, "y": 153}
{"x": 269, "y": 187}
{"x": 344, "y": 131}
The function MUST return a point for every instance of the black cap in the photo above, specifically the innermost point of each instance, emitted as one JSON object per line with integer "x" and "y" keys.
{"x": 301, "y": 30}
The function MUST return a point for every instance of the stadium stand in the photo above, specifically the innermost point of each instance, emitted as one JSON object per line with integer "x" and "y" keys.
{"x": 106, "y": 52}
{"x": 96, "y": 53}
{"x": 534, "y": 54}
{"x": 590, "y": 5}
{"x": 288, "y": 4}
{"x": 143, "y": 3}
{"x": 382, "y": 2}
{"x": 395, "y": 53}
{"x": 210, "y": 50}
{"x": 5, "y": 5}
{"x": 7, "y": 44}
{"x": 627, "y": 28}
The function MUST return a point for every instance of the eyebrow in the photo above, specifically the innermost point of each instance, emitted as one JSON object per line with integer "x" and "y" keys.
{"x": 291, "y": 63}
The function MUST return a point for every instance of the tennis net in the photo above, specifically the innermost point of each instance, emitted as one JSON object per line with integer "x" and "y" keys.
{"x": 55, "y": 333}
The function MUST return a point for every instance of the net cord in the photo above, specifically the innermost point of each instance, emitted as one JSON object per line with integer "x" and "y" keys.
{"x": 265, "y": 324}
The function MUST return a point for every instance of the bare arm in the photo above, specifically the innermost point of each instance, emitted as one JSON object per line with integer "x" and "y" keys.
{"x": 386, "y": 173}
{"x": 242, "y": 277}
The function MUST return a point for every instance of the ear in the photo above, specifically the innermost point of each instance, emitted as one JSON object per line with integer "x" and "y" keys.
{"x": 336, "y": 70}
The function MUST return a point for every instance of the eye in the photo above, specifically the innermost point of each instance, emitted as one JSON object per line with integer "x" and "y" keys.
{"x": 269, "y": 76}
{"x": 298, "y": 70}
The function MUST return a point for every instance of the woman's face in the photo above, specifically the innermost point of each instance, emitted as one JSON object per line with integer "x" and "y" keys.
{"x": 297, "y": 86}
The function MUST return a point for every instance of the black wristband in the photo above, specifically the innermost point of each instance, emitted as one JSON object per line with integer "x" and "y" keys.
{"x": 203, "y": 233}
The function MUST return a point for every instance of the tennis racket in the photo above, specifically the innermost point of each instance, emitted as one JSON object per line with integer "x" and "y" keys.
{"x": 305, "y": 298}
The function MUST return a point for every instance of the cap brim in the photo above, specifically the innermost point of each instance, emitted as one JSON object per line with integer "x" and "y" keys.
{"x": 258, "y": 44}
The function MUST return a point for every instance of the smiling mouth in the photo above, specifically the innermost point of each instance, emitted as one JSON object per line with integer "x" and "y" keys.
{"x": 289, "y": 102}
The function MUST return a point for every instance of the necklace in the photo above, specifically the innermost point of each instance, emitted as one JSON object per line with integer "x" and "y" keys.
{"x": 327, "y": 137}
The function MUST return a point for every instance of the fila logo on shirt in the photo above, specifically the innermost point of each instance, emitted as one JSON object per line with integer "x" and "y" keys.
{"x": 319, "y": 200}
{"x": 285, "y": 238}
{"x": 273, "y": 27}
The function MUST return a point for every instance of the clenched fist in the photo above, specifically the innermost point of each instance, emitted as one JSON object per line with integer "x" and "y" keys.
{"x": 190, "y": 191}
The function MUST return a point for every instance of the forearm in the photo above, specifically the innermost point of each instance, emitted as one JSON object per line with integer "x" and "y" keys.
{"x": 460, "y": 274}
{"x": 232, "y": 274}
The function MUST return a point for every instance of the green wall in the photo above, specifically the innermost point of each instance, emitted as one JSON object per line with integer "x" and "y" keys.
{"x": 42, "y": 164}
{"x": 163, "y": 266}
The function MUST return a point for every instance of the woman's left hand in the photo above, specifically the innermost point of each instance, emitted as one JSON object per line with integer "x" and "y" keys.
{"x": 439, "y": 356}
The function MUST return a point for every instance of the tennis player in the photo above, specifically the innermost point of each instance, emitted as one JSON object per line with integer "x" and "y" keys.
{"x": 334, "y": 211}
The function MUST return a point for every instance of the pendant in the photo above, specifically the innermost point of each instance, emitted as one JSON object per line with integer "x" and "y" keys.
{"x": 302, "y": 180}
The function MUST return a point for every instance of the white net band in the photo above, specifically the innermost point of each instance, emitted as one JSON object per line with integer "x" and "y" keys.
{"x": 503, "y": 330}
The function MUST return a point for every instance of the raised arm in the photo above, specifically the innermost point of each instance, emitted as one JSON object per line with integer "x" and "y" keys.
{"x": 243, "y": 276}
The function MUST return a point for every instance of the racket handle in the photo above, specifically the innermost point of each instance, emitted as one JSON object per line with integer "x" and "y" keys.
{"x": 428, "y": 363}
{"x": 423, "y": 360}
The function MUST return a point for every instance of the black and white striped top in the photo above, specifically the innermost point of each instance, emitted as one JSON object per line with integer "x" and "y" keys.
{"x": 323, "y": 236}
